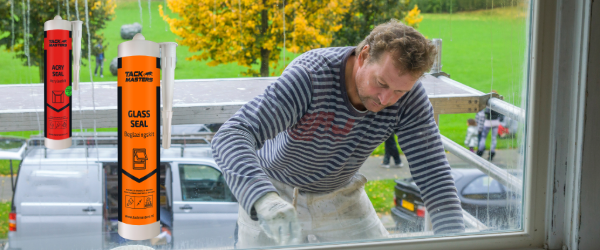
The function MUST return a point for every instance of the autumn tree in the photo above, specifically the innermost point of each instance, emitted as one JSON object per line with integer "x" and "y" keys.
{"x": 31, "y": 15}
{"x": 250, "y": 32}
{"x": 364, "y": 16}
{"x": 413, "y": 18}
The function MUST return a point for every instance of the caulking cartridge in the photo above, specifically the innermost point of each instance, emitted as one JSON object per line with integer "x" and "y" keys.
{"x": 62, "y": 46}
{"x": 139, "y": 68}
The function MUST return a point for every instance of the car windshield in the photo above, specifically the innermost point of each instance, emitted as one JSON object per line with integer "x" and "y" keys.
{"x": 484, "y": 187}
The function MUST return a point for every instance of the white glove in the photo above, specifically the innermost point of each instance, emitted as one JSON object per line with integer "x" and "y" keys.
{"x": 278, "y": 219}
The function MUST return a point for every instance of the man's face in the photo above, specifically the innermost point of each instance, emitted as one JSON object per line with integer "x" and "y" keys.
{"x": 380, "y": 84}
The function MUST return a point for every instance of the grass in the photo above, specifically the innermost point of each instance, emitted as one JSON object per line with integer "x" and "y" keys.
{"x": 5, "y": 167}
{"x": 4, "y": 210}
{"x": 482, "y": 49}
{"x": 380, "y": 195}
{"x": 127, "y": 13}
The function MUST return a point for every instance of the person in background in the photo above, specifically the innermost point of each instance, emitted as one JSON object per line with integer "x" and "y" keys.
{"x": 491, "y": 122}
{"x": 472, "y": 134}
{"x": 391, "y": 149}
{"x": 99, "y": 60}
{"x": 479, "y": 119}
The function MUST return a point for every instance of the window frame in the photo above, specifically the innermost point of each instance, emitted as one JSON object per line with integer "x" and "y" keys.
{"x": 541, "y": 53}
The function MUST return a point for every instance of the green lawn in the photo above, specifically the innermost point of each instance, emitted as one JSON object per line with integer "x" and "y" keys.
{"x": 127, "y": 13}
{"x": 4, "y": 210}
{"x": 380, "y": 195}
{"x": 484, "y": 50}
{"x": 470, "y": 41}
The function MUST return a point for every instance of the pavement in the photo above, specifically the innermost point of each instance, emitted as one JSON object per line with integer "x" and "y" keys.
{"x": 5, "y": 188}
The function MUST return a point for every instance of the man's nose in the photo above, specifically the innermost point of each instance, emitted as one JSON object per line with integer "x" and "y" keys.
{"x": 385, "y": 97}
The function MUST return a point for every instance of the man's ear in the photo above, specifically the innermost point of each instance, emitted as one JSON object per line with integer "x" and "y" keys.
{"x": 363, "y": 56}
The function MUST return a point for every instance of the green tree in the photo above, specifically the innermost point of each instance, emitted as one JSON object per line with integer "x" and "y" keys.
{"x": 40, "y": 11}
{"x": 364, "y": 16}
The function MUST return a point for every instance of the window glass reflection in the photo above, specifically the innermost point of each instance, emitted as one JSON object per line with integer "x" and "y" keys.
{"x": 331, "y": 149}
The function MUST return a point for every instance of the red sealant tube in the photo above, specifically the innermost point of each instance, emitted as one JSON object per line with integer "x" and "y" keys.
{"x": 58, "y": 60}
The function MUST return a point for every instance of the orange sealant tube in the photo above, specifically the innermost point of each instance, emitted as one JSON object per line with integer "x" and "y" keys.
{"x": 139, "y": 143}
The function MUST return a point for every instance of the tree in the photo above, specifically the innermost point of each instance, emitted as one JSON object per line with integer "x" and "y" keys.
{"x": 364, "y": 16}
{"x": 40, "y": 11}
{"x": 251, "y": 31}
{"x": 413, "y": 18}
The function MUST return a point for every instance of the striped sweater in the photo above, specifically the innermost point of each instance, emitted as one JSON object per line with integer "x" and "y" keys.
{"x": 304, "y": 131}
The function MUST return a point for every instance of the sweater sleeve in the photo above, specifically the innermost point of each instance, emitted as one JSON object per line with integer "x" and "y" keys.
{"x": 419, "y": 138}
{"x": 234, "y": 146}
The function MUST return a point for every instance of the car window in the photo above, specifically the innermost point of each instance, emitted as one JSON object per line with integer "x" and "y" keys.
{"x": 203, "y": 183}
{"x": 481, "y": 187}
{"x": 58, "y": 183}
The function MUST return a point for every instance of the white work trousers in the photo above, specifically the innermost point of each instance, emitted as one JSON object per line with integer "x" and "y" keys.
{"x": 345, "y": 214}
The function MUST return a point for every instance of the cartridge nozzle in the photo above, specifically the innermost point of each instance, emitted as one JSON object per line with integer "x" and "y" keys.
{"x": 168, "y": 56}
{"x": 76, "y": 34}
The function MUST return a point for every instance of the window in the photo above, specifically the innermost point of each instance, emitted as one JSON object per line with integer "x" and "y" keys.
{"x": 501, "y": 200}
{"x": 203, "y": 183}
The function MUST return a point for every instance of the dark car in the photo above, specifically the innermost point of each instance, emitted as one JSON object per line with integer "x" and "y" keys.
{"x": 481, "y": 196}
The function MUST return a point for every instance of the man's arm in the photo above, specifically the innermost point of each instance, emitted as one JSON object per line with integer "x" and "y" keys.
{"x": 234, "y": 146}
{"x": 419, "y": 138}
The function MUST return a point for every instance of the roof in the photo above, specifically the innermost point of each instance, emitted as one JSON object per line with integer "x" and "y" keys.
{"x": 196, "y": 101}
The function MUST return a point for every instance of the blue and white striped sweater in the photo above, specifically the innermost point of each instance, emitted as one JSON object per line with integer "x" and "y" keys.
{"x": 303, "y": 131}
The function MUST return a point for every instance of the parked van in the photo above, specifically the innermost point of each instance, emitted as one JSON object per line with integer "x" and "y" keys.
{"x": 67, "y": 199}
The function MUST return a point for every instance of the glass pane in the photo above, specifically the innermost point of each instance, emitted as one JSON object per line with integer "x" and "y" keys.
{"x": 276, "y": 119}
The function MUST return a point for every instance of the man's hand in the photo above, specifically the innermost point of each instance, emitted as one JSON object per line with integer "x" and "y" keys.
{"x": 278, "y": 219}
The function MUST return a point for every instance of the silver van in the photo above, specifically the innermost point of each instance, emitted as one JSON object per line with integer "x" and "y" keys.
{"x": 67, "y": 199}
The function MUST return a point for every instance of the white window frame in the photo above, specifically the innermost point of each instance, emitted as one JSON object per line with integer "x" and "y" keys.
{"x": 550, "y": 22}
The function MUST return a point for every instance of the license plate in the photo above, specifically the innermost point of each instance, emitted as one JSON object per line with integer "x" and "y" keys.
{"x": 408, "y": 205}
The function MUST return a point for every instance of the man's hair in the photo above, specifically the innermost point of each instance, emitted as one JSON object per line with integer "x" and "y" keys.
{"x": 411, "y": 51}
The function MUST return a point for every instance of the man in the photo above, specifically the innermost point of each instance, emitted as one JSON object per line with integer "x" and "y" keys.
{"x": 291, "y": 155}
{"x": 99, "y": 60}
{"x": 491, "y": 122}
{"x": 391, "y": 150}
{"x": 480, "y": 119}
